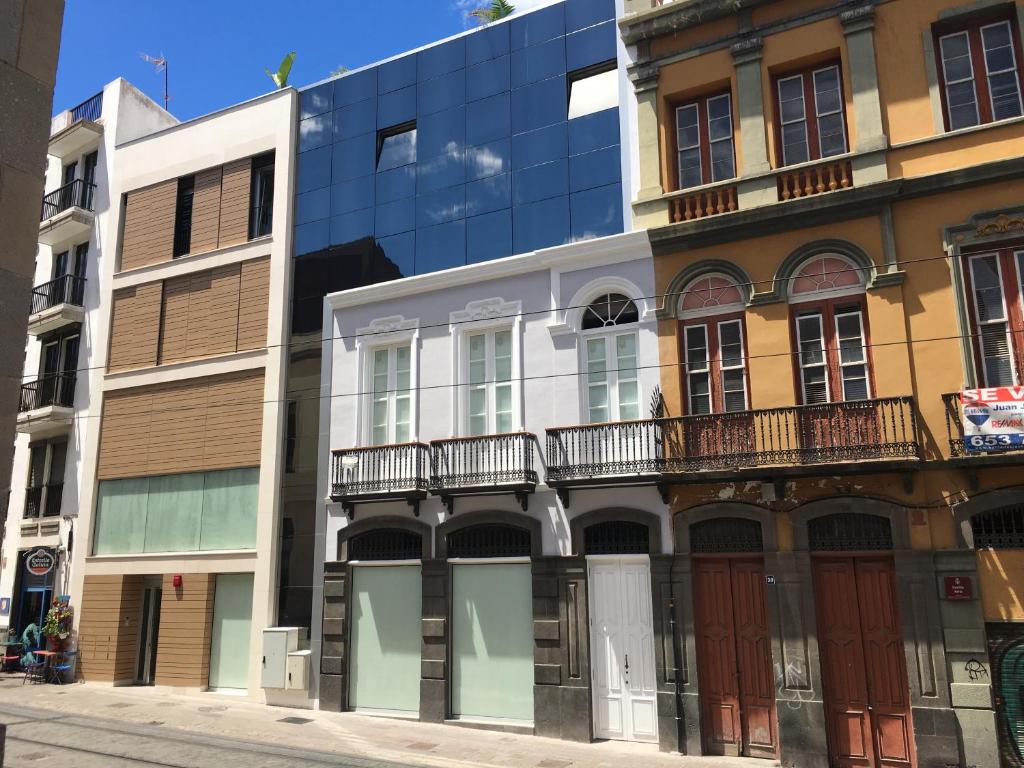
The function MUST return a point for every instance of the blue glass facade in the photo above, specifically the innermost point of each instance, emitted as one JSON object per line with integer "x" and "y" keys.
{"x": 464, "y": 151}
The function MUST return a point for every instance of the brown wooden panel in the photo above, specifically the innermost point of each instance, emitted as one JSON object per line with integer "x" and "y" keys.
{"x": 234, "y": 202}
{"x": 754, "y": 658}
{"x": 135, "y": 326}
{"x": 253, "y": 304}
{"x": 186, "y": 618}
{"x": 148, "y": 233}
{"x": 206, "y": 211}
{"x": 183, "y": 426}
{"x": 108, "y": 628}
{"x": 174, "y": 321}
{"x": 716, "y": 656}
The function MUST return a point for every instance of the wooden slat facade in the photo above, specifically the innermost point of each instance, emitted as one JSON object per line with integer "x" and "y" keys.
{"x": 206, "y": 211}
{"x": 183, "y": 426}
{"x": 135, "y": 326}
{"x": 186, "y": 622}
{"x": 234, "y": 202}
{"x": 253, "y": 304}
{"x": 108, "y": 628}
{"x": 148, "y": 235}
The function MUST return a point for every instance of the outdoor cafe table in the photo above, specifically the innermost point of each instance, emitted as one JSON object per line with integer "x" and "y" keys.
{"x": 7, "y": 646}
{"x": 48, "y": 674}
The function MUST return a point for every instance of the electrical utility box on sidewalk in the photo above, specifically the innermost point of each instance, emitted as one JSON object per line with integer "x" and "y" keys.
{"x": 298, "y": 670}
{"x": 278, "y": 642}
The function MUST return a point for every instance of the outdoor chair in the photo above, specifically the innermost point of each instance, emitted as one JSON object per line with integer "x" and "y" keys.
{"x": 65, "y": 662}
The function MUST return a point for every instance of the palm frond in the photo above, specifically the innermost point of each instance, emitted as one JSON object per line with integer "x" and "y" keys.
{"x": 498, "y": 9}
{"x": 280, "y": 77}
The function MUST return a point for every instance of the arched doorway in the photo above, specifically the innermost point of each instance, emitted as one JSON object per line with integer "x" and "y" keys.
{"x": 860, "y": 639}
{"x": 385, "y": 612}
{"x": 624, "y": 685}
{"x": 737, "y": 694}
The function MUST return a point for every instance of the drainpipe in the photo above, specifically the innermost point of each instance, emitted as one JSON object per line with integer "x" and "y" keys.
{"x": 676, "y": 660}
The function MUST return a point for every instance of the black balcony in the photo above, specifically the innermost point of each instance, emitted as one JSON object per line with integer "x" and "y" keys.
{"x": 56, "y": 390}
{"x": 89, "y": 109}
{"x": 485, "y": 465}
{"x": 67, "y": 289}
{"x": 76, "y": 194}
{"x": 43, "y": 500}
{"x": 381, "y": 473}
{"x": 863, "y": 435}
{"x": 958, "y": 450}
{"x": 616, "y": 453}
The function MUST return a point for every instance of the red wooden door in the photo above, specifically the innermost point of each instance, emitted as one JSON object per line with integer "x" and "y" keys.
{"x": 734, "y": 657}
{"x": 716, "y": 657}
{"x": 864, "y": 675}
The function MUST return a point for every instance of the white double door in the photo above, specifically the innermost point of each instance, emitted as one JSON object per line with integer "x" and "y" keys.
{"x": 622, "y": 643}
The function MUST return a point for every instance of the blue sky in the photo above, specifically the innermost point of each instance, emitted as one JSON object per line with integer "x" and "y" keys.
{"x": 218, "y": 49}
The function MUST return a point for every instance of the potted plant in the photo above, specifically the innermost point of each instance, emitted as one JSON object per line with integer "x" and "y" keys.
{"x": 57, "y": 625}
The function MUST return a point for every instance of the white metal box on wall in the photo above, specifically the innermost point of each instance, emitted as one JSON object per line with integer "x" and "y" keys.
{"x": 278, "y": 642}
{"x": 298, "y": 670}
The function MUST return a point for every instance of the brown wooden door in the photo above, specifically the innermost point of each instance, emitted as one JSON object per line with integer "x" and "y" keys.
{"x": 734, "y": 657}
{"x": 864, "y": 675}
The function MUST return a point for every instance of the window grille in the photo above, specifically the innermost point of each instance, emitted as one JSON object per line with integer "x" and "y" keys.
{"x": 616, "y": 537}
{"x": 386, "y": 544}
{"x": 726, "y": 534}
{"x": 849, "y": 532}
{"x": 608, "y": 310}
{"x": 489, "y": 540}
{"x": 999, "y": 529}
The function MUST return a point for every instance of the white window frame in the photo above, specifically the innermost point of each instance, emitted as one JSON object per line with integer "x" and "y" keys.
{"x": 782, "y": 119}
{"x": 680, "y": 149}
{"x": 1006, "y": 313}
{"x": 989, "y": 73}
{"x": 394, "y": 331}
{"x": 490, "y": 383}
{"x": 818, "y": 115}
{"x": 609, "y": 334}
{"x": 730, "y": 138}
{"x": 742, "y": 366}
{"x": 816, "y": 313}
{"x": 973, "y": 79}
{"x": 706, "y": 370}
{"x": 864, "y": 350}
{"x": 391, "y": 394}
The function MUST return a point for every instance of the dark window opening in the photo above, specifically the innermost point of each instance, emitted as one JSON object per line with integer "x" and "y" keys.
{"x": 291, "y": 436}
{"x": 608, "y": 310}
{"x": 999, "y": 529}
{"x": 494, "y": 540}
{"x": 726, "y": 534}
{"x": 849, "y": 532}
{"x": 617, "y": 537}
{"x": 592, "y": 89}
{"x": 261, "y": 196}
{"x": 89, "y": 177}
{"x": 45, "y": 486}
{"x": 183, "y": 216}
{"x": 396, "y": 147}
{"x": 386, "y": 544}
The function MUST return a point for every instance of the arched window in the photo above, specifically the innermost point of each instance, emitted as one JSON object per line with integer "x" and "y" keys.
{"x": 849, "y": 532}
{"x": 489, "y": 540}
{"x": 999, "y": 528}
{"x": 616, "y": 537}
{"x": 714, "y": 348}
{"x": 726, "y": 534}
{"x": 610, "y": 354}
{"x": 830, "y": 323}
{"x": 386, "y": 544}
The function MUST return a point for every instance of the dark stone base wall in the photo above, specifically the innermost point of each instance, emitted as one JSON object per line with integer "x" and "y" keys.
{"x": 333, "y": 657}
{"x": 434, "y": 651}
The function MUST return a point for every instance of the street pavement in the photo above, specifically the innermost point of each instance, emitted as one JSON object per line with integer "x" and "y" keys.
{"x": 94, "y": 726}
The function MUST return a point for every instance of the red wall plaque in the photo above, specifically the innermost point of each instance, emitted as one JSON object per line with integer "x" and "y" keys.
{"x": 958, "y": 587}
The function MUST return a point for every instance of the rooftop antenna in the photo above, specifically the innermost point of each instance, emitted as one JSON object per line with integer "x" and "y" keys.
{"x": 160, "y": 62}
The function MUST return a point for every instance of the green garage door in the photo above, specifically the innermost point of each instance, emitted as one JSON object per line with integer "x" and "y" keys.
{"x": 232, "y": 622}
{"x": 385, "y": 663}
{"x": 492, "y": 641}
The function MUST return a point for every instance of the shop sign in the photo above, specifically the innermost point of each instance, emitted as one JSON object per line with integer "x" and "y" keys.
{"x": 40, "y": 562}
{"x": 958, "y": 587}
{"x": 5, "y": 606}
{"x": 993, "y": 419}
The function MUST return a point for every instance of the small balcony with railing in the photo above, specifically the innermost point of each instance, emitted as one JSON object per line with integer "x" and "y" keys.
{"x": 75, "y": 130}
{"x": 864, "y": 436}
{"x": 486, "y": 465}
{"x": 46, "y": 405}
{"x": 980, "y": 449}
{"x": 67, "y": 213}
{"x": 624, "y": 453}
{"x": 380, "y": 473}
{"x": 56, "y": 304}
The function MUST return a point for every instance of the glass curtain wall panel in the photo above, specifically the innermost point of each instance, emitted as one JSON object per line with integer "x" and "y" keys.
{"x": 492, "y": 641}
{"x": 384, "y": 671}
{"x": 232, "y": 623}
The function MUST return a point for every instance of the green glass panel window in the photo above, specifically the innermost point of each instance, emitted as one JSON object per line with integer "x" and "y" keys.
{"x": 174, "y": 513}
{"x": 121, "y": 516}
{"x": 230, "y": 499}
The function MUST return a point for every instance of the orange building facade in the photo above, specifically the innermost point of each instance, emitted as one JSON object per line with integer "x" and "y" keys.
{"x": 835, "y": 200}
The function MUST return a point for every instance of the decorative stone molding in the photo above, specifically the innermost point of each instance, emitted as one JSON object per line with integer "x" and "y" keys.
{"x": 780, "y": 291}
{"x": 857, "y": 19}
{"x": 747, "y": 50}
{"x": 571, "y": 317}
{"x": 386, "y": 325}
{"x": 486, "y": 309}
{"x": 670, "y": 306}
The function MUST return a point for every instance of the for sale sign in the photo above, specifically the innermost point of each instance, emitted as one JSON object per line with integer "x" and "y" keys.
{"x": 993, "y": 419}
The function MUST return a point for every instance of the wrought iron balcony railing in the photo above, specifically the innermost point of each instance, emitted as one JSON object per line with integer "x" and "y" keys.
{"x": 89, "y": 109}
{"x": 56, "y": 389}
{"x": 43, "y": 500}
{"x": 381, "y": 473}
{"x": 955, "y": 433}
{"x": 67, "y": 289}
{"x": 78, "y": 193}
{"x": 485, "y": 464}
{"x": 805, "y": 435}
{"x": 604, "y": 451}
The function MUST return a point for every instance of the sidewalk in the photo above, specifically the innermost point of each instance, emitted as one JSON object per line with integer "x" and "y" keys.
{"x": 406, "y": 742}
